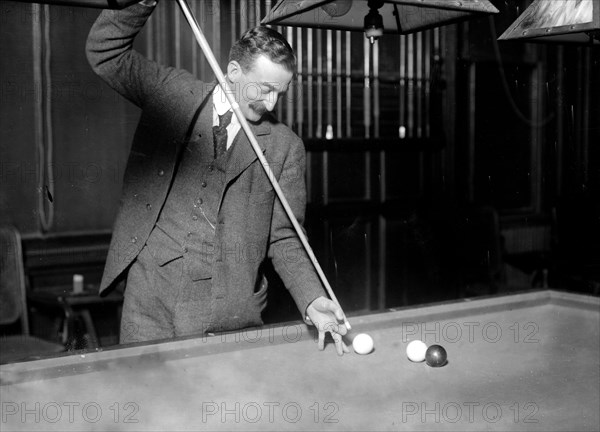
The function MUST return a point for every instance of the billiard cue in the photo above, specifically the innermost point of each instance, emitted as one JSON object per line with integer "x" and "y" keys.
{"x": 212, "y": 61}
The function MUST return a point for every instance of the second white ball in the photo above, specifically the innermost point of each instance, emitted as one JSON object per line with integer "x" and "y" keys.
{"x": 416, "y": 350}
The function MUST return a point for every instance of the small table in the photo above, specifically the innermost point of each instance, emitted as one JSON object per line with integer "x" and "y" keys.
{"x": 75, "y": 309}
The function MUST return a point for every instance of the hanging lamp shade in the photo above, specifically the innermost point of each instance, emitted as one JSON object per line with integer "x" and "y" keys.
{"x": 561, "y": 21}
{"x": 397, "y": 16}
{"x": 102, "y": 4}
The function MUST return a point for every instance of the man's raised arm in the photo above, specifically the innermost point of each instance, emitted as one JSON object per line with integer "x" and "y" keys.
{"x": 110, "y": 52}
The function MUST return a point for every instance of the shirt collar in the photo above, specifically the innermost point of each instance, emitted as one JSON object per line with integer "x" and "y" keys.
{"x": 220, "y": 102}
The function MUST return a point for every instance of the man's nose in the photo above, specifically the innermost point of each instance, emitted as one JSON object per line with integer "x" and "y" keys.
{"x": 270, "y": 102}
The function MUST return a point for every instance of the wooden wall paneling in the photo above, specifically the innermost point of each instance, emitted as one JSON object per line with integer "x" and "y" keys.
{"x": 251, "y": 5}
{"x": 403, "y": 175}
{"x": 537, "y": 103}
{"x": 382, "y": 263}
{"x": 427, "y": 50}
{"x": 216, "y": 33}
{"x": 177, "y": 45}
{"x": 348, "y": 75}
{"x": 162, "y": 40}
{"x": 585, "y": 71}
{"x": 258, "y": 11}
{"x": 19, "y": 92}
{"x": 233, "y": 20}
{"x": 313, "y": 195}
{"x": 445, "y": 122}
{"x": 348, "y": 176}
{"x": 350, "y": 260}
{"x": 60, "y": 125}
{"x": 243, "y": 11}
{"x": 338, "y": 91}
{"x": 502, "y": 163}
{"x": 559, "y": 108}
{"x": 471, "y": 107}
{"x": 44, "y": 136}
{"x": 329, "y": 93}
{"x": 393, "y": 281}
{"x": 418, "y": 76}
{"x": 92, "y": 128}
{"x": 418, "y": 101}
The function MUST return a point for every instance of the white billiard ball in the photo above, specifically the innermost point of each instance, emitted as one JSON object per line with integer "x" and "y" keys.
{"x": 416, "y": 351}
{"x": 362, "y": 343}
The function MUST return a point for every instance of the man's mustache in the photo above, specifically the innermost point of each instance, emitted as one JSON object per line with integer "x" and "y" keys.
{"x": 258, "y": 107}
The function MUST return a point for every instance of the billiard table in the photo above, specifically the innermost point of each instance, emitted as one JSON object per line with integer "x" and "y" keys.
{"x": 525, "y": 361}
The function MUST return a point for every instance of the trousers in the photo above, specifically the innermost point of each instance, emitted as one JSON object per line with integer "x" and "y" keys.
{"x": 162, "y": 302}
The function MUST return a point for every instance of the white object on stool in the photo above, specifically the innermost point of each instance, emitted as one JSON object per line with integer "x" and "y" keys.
{"x": 77, "y": 284}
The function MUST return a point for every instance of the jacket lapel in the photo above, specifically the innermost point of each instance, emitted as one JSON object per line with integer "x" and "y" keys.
{"x": 242, "y": 153}
{"x": 202, "y": 116}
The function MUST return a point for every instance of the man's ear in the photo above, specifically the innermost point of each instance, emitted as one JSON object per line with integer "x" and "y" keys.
{"x": 234, "y": 71}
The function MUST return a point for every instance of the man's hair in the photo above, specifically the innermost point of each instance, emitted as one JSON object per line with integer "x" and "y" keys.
{"x": 263, "y": 41}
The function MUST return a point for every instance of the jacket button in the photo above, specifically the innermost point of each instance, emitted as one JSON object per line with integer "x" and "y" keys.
{"x": 195, "y": 217}
{"x": 203, "y": 184}
{"x": 148, "y": 206}
{"x": 200, "y": 201}
{"x": 161, "y": 173}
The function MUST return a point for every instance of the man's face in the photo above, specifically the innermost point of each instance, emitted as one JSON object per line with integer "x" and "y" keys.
{"x": 258, "y": 89}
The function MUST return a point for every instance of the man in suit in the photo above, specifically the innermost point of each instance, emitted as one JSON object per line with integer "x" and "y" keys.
{"x": 198, "y": 216}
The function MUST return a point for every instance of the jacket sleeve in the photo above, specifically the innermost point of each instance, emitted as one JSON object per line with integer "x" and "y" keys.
{"x": 111, "y": 55}
{"x": 286, "y": 251}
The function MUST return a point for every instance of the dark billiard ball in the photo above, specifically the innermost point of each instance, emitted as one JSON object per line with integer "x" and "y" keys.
{"x": 436, "y": 356}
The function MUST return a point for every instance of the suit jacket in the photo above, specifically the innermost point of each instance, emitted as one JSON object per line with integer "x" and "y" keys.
{"x": 251, "y": 222}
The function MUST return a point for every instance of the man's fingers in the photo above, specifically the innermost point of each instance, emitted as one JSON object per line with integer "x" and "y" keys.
{"x": 339, "y": 344}
{"x": 321, "y": 343}
{"x": 335, "y": 328}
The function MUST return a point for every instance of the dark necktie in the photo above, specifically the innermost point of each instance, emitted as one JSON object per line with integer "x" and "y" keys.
{"x": 220, "y": 133}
